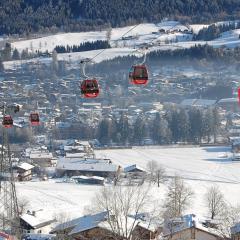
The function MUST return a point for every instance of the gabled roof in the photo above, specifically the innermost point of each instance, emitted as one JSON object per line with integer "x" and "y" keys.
{"x": 190, "y": 221}
{"x": 133, "y": 167}
{"x": 82, "y": 224}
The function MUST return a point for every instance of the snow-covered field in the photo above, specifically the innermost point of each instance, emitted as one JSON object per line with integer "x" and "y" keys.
{"x": 140, "y": 34}
{"x": 201, "y": 167}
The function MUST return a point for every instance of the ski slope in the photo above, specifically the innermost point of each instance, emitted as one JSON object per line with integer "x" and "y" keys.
{"x": 201, "y": 167}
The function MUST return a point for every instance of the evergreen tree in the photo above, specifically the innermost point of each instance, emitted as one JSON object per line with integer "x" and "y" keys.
{"x": 6, "y": 53}
{"x": 16, "y": 55}
{"x": 216, "y": 123}
{"x": 123, "y": 128}
{"x": 161, "y": 133}
{"x": 196, "y": 125}
{"x": 1, "y": 65}
{"x": 105, "y": 131}
{"x": 54, "y": 62}
{"x": 139, "y": 131}
{"x": 183, "y": 124}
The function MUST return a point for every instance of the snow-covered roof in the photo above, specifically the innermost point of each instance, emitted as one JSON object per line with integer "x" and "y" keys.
{"x": 25, "y": 166}
{"x": 75, "y": 155}
{"x": 188, "y": 102}
{"x": 198, "y": 102}
{"x": 82, "y": 224}
{"x": 70, "y": 148}
{"x": 204, "y": 102}
{"x": 228, "y": 100}
{"x": 37, "y": 155}
{"x": 188, "y": 221}
{"x": 133, "y": 167}
{"x": 80, "y": 164}
{"x": 38, "y": 220}
{"x": 86, "y": 178}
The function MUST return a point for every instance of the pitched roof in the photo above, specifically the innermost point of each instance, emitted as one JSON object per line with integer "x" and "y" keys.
{"x": 25, "y": 166}
{"x": 82, "y": 224}
{"x": 133, "y": 167}
{"x": 88, "y": 165}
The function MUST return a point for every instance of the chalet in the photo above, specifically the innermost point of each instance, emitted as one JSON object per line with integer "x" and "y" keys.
{"x": 96, "y": 227}
{"x": 42, "y": 158}
{"x": 194, "y": 233}
{"x": 189, "y": 227}
{"x": 84, "y": 166}
{"x": 36, "y": 222}
{"x": 76, "y": 146}
{"x": 24, "y": 171}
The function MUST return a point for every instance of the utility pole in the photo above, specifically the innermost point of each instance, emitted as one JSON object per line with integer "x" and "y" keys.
{"x": 9, "y": 211}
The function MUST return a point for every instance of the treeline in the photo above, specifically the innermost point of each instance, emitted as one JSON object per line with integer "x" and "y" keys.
{"x": 214, "y": 31}
{"x": 175, "y": 125}
{"x": 86, "y": 46}
{"x": 8, "y": 54}
{"x": 28, "y": 16}
{"x": 197, "y": 52}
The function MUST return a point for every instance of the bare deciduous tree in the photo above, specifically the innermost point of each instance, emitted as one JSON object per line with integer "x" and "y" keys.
{"x": 228, "y": 218}
{"x": 120, "y": 203}
{"x": 109, "y": 34}
{"x": 23, "y": 205}
{"x": 156, "y": 172}
{"x": 215, "y": 201}
{"x": 178, "y": 198}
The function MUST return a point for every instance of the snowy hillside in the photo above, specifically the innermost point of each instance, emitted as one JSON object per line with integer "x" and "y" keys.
{"x": 144, "y": 33}
{"x": 49, "y": 43}
{"x": 161, "y": 36}
{"x": 201, "y": 168}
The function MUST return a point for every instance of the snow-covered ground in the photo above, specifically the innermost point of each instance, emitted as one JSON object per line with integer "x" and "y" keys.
{"x": 141, "y": 34}
{"x": 201, "y": 167}
{"x": 50, "y": 42}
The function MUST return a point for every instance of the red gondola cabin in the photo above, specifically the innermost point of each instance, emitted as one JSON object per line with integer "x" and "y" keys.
{"x": 7, "y": 121}
{"x": 138, "y": 75}
{"x": 34, "y": 119}
{"x": 90, "y": 88}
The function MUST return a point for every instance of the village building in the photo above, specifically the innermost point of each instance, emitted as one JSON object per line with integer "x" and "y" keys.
{"x": 24, "y": 171}
{"x": 189, "y": 227}
{"x": 96, "y": 227}
{"x": 36, "y": 222}
{"x": 84, "y": 166}
{"x": 89, "y": 180}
